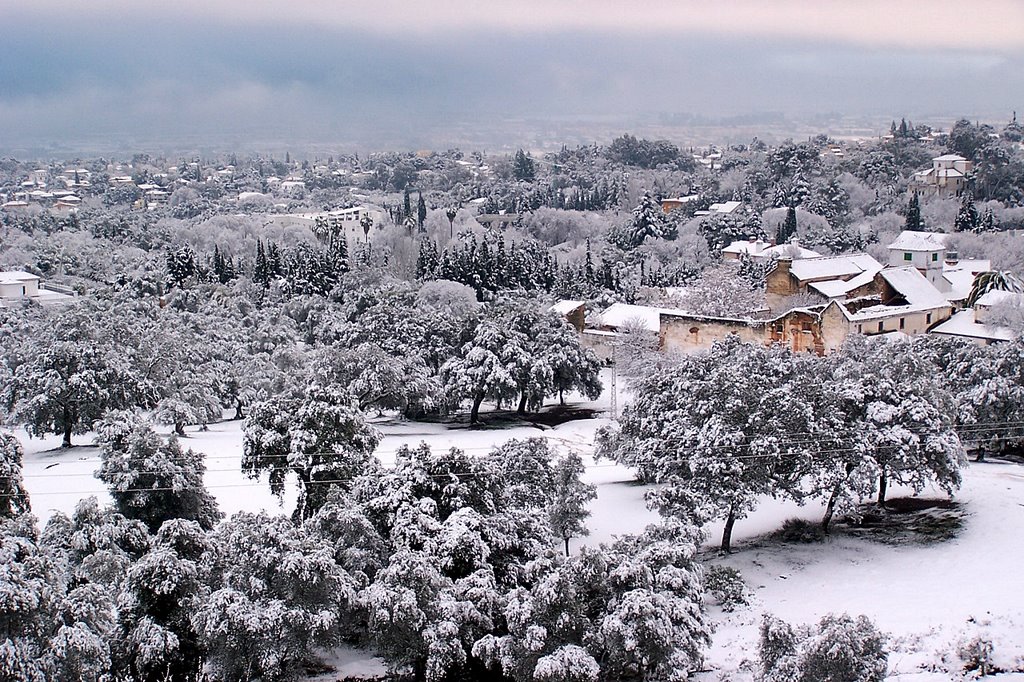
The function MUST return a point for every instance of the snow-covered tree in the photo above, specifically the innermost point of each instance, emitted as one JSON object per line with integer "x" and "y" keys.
{"x": 570, "y": 497}
{"x": 718, "y": 428}
{"x": 278, "y": 597}
{"x": 892, "y": 424}
{"x": 484, "y": 369}
{"x": 13, "y": 497}
{"x": 65, "y": 385}
{"x": 159, "y": 594}
{"x": 152, "y": 479}
{"x": 321, "y": 437}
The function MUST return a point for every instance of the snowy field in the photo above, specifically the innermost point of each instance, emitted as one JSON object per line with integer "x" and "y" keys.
{"x": 928, "y": 597}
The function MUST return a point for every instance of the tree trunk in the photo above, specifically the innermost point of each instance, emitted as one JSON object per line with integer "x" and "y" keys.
{"x": 179, "y": 428}
{"x": 561, "y": 397}
{"x": 830, "y": 510}
{"x": 474, "y": 413}
{"x": 981, "y": 455}
{"x": 522, "y": 404}
{"x": 66, "y": 443}
{"x": 566, "y": 546}
{"x": 727, "y": 532}
{"x": 883, "y": 487}
{"x": 238, "y": 409}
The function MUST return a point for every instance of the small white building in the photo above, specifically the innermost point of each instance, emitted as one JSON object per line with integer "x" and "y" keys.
{"x": 17, "y": 286}
{"x": 347, "y": 220}
{"x": 925, "y": 251}
{"x": 947, "y": 176}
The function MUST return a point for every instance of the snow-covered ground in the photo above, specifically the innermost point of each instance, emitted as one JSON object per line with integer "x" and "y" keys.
{"x": 929, "y": 597}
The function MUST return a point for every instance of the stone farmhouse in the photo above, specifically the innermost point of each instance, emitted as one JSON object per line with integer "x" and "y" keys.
{"x": 838, "y": 296}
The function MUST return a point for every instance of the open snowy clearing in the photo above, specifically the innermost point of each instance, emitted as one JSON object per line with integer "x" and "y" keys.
{"x": 929, "y": 597}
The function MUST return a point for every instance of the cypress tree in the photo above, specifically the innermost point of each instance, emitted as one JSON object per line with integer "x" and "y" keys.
{"x": 421, "y": 211}
{"x": 914, "y": 214}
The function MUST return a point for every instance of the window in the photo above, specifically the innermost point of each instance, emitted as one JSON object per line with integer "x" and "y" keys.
{"x": 860, "y": 329}
{"x": 880, "y": 327}
{"x": 928, "y": 318}
{"x": 935, "y": 257}
{"x": 903, "y": 322}
{"x": 805, "y": 326}
{"x": 908, "y": 256}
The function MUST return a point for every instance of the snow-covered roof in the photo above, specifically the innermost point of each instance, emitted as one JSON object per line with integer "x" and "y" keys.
{"x": 838, "y": 288}
{"x": 752, "y": 248}
{"x": 964, "y": 324}
{"x": 724, "y": 207}
{"x": 949, "y": 157}
{"x": 792, "y": 250}
{"x": 834, "y": 267}
{"x": 915, "y": 287}
{"x": 16, "y": 277}
{"x": 911, "y": 240}
{"x": 681, "y": 200}
{"x": 960, "y": 283}
{"x": 623, "y": 314}
{"x": 998, "y": 296}
{"x": 565, "y": 307}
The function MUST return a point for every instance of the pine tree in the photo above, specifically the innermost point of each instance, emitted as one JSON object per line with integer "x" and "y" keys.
{"x": 523, "y": 167}
{"x": 967, "y": 219}
{"x": 914, "y": 214}
{"x": 406, "y": 204}
{"x": 988, "y": 222}
{"x": 261, "y": 271}
{"x": 787, "y": 229}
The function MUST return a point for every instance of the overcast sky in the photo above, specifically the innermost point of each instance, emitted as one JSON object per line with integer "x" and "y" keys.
{"x": 313, "y": 69}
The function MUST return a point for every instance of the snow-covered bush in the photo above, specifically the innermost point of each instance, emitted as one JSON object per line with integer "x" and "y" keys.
{"x": 726, "y": 585}
{"x": 839, "y": 649}
{"x": 977, "y": 654}
{"x": 800, "y": 530}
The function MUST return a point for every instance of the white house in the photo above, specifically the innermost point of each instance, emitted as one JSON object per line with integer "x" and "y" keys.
{"x": 929, "y": 253}
{"x": 925, "y": 251}
{"x": 17, "y": 286}
{"x": 947, "y": 176}
{"x": 347, "y": 220}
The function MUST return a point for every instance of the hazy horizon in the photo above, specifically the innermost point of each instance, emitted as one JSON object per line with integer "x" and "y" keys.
{"x": 232, "y": 75}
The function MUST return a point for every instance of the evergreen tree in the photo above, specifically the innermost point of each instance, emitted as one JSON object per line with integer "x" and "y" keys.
{"x": 787, "y": 228}
{"x": 967, "y": 219}
{"x": 13, "y": 498}
{"x": 421, "y": 211}
{"x": 261, "y": 270}
{"x": 406, "y": 204}
{"x": 570, "y": 496}
{"x": 150, "y": 479}
{"x": 523, "y": 167}
{"x": 913, "y": 216}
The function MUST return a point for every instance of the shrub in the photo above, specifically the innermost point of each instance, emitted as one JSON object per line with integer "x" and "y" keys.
{"x": 726, "y": 584}
{"x": 839, "y": 649}
{"x": 976, "y": 653}
{"x": 801, "y": 531}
